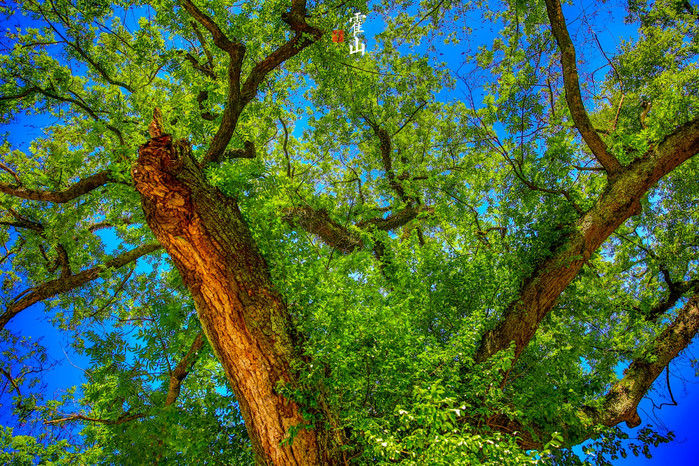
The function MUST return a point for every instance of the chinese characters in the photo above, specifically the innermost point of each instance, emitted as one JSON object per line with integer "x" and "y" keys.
{"x": 355, "y": 45}
{"x": 356, "y": 29}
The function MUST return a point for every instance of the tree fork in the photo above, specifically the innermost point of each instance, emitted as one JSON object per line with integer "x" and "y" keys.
{"x": 243, "y": 316}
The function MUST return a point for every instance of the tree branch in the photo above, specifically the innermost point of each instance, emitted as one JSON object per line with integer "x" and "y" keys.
{"x": 622, "y": 400}
{"x": 63, "y": 284}
{"x": 11, "y": 172}
{"x": 177, "y": 375}
{"x": 83, "y": 186}
{"x": 110, "y": 422}
{"x": 182, "y": 369}
{"x": 80, "y": 50}
{"x": 62, "y": 259}
{"x": 385, "y": 146}
{"x": 82, "y": 105}
{"x": 248, "y": 152}
{"x": 209, "y": 69}
{"x": 396, "y": 220}
{"x": 572, "y": 88}
{"x": 319, "y": 223}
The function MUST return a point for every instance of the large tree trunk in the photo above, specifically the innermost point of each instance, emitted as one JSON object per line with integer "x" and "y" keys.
{"x": 244, "y": 317}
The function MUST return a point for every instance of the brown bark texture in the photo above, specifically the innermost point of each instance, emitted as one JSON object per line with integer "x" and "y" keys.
{"x": 243, "y": 316}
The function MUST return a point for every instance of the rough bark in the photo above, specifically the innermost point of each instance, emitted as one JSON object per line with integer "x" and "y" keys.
{"x": 618, "y": 202}
{"x": 242, "y": 314}
{"x": 319, "y": 223}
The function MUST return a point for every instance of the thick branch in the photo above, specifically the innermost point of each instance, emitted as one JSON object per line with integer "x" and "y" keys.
{"x": 677, "y": 290}
{"x": 622, "y": 401}
{"x": 618, "y": 202}
{"x": 83, "y": 186}
{"x": 198, "y": 66}
{"x": 220, "y": 39}
{"x": 63, "y": 284}
{"x": 571, "y": 84}
{"x": 396, "y": 220}
{"x": 248, "y": 152}
{"x": 319, "y": 223}
{"x": 385, "y": 147}
{"x": 233, "y": 108}
{"x": 304, "y": 36}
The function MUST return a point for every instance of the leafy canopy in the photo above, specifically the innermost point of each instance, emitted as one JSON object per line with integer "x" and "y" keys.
{"x": 450, "y": 167}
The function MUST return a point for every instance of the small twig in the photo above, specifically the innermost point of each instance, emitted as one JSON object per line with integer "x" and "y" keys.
{"x": 669, "y": 390}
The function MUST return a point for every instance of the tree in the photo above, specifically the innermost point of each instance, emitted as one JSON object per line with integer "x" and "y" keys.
{"x": 385, "y": 257}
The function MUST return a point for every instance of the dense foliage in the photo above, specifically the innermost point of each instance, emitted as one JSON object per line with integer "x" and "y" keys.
{"x": 479, "y": 266}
